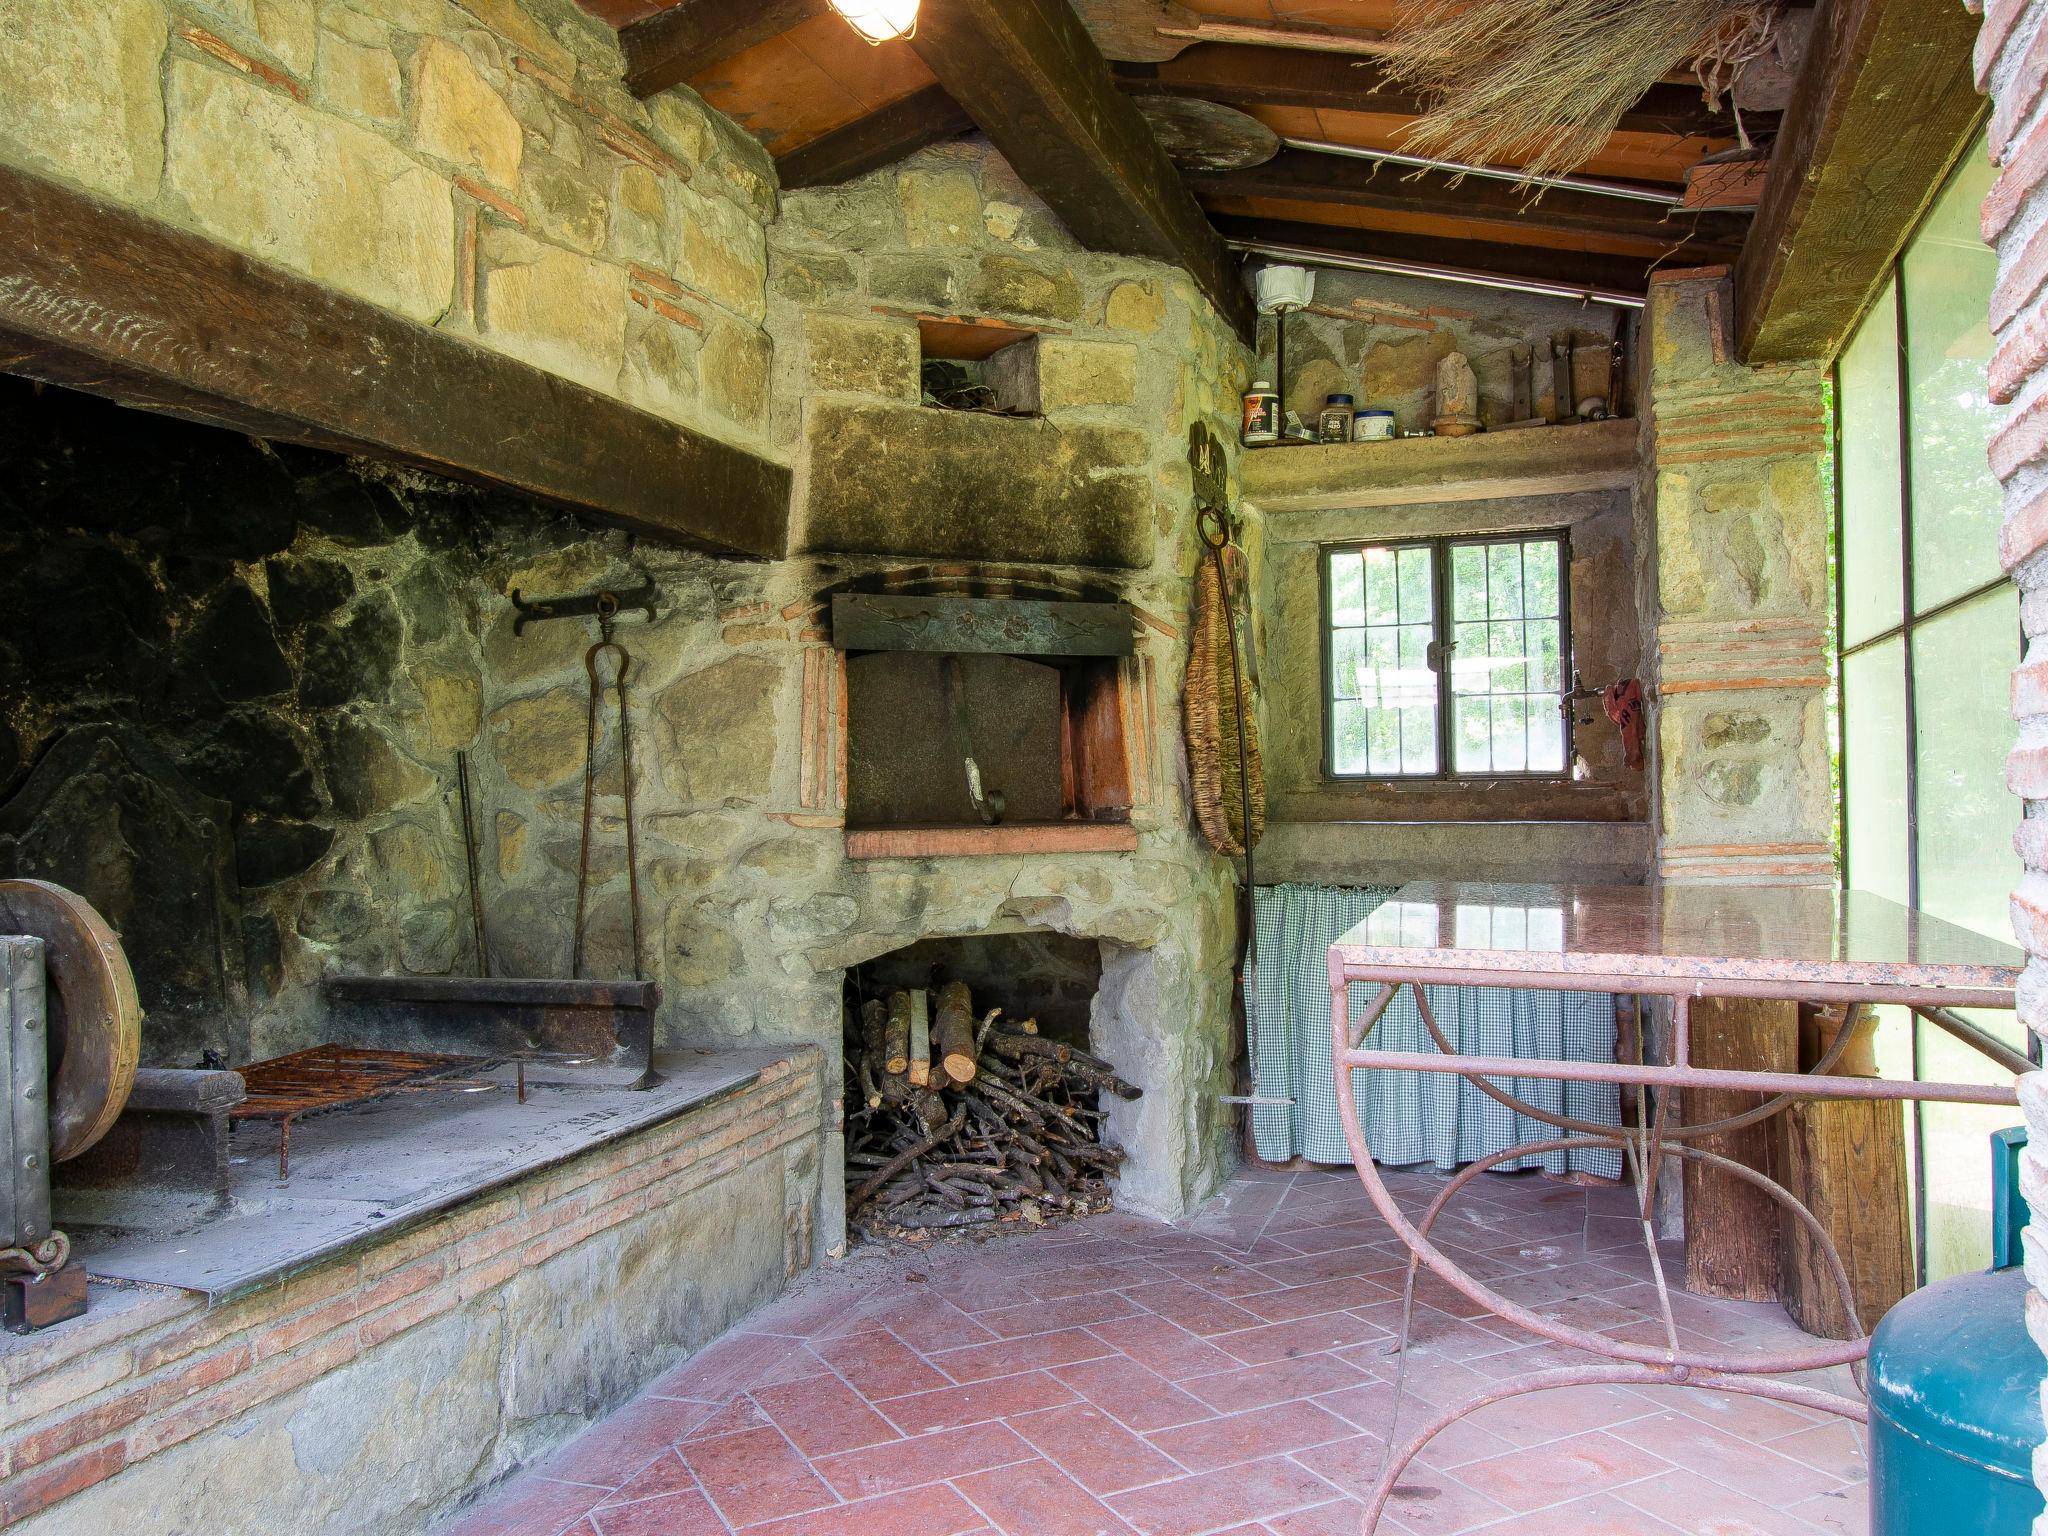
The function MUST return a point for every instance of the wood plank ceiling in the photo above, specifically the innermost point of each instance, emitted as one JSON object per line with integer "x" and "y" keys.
{"x": 829, "y": 106}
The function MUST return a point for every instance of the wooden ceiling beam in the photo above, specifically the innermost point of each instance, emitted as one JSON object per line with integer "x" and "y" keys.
{"x": 1032, "y": 79}
{"x": 883, "y": 137}
{"x": 1275, "y": 77}
{"x": 106, "y": 300}
{"x": 1620, "y": 274}
{"x": 1305, "y": 176}
{"x": 687, "y": 39}
{"x": 1885, "y": 105}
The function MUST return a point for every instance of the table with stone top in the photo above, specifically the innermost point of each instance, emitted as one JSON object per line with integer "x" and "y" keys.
{"x": 1677, "y": 942}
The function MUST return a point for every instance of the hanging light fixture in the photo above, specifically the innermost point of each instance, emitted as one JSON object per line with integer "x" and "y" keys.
{"x": 879, "y": 21}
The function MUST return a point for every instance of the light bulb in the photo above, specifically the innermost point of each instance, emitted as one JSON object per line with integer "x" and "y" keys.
{"x": 879, "y": 21}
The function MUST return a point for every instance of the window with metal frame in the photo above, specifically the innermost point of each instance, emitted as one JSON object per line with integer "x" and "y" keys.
{"x": 1447, "y": 657}
{"x": 1928, "y": 630}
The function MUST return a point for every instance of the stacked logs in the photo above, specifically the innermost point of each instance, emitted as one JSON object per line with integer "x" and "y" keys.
{"x": 959, "y": 1121}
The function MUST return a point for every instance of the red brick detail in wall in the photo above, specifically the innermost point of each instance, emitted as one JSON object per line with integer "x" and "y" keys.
{"x": 100, "y": 1399}
{"x": 821, "y": 771}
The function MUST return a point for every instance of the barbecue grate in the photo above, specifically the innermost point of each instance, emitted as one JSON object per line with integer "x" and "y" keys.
{"x": 327, "y": 1077}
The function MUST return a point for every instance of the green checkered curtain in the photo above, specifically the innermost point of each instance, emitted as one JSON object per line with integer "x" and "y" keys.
{"x": 1410, "y": 1117}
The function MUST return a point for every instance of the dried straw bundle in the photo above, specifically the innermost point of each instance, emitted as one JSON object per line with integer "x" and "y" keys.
{"x": 1209, "y": 710}
{"x": 1542, "y": 83}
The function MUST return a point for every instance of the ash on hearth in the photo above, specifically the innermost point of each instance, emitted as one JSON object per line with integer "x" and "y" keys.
{"x": 959, "y": 1121}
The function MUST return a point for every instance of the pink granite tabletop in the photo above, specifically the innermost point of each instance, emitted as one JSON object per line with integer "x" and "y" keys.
{"x": 1674, "y": 934}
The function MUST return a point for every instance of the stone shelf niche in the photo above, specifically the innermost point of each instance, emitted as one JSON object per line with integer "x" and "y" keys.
{"x": 1029, "y": 692}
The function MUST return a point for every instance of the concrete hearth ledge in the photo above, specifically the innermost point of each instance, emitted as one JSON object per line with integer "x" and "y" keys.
{"x": 359, "y": 1176}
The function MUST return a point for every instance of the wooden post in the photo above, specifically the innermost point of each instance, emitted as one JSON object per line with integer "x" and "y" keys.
{"x": 1845, "y": 1160}
{"x": 1731, "y": 1227}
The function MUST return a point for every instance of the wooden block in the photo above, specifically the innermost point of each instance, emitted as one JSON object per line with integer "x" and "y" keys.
{"x": 1845, "y": 1160}
{"x": 1731, "y": 1226}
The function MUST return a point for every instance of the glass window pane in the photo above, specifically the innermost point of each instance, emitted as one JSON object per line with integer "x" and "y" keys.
{"x": 1867, "y": 399}
{"x": 1874, "y": 751}
{"x": 1417, "y": 603}
{"x": 1956, "y": 1153}
{"x": 1948, "y": 272}
{"x": 1381, "y": 594}
{"x": 1347, "y": 588}
{"x": 1505, "y": 602}
{"x": 1504, "y": 581}
{"x": 1383, "y": 695}
{"x": 1962, "y": 674}
{"x": 1539, "y": 579}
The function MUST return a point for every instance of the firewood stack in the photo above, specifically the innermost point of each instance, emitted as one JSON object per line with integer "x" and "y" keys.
{"x": 954, "y": 1120}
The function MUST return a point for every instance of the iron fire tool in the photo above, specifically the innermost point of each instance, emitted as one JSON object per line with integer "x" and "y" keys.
{"x": 605, "y": 605}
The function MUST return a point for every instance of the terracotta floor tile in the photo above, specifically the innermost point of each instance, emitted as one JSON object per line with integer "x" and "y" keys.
{"x": 1303, "y": 1336}
{"x": 1206, "y": 1501}
{"x": 1138, "y": 1398}
{"x": 666, "y": 1475}
{"x": 1836, "y": 1448}
{"x": 1043, "y": 1317}
{"x": 1035, "y": 1498}
{"x": 529, "y": 1506}
{"x": 932, "y": 1511}
{"x": 1162, "y": 1345}
{"x": 879, "y": 1365}
{"x": 612, "y": 1451}
{"x": 1094, "y": 1449}
{"x": 672, "y": 1514}
{"x": 823, "y": 1416}
{"x": 1006, "y": 1357}
{"x": 730, "y": 1365}
{"x": 1844, "y": 1512}
{"x": 1191, "y": 1307}
{"x": 1254, "y": 1386}
{"x": 1684, "y": 1441}
{"x": 1555, "y": 1414}
{"x": 932, "y": 1458}
{"x": 1275, "y": 1396}
{"x": 1694, "y": 1503}
{"x": 1598, "y": 1514}
{"x": 1239, "y": 1437}
{"x": 948, "y": 1407}
{"x": 1341, "y": 1517}
{"x": 755, "y": 1475}
{"x": 1560, "y": 1469}
{"x": 1430, "y": 1503}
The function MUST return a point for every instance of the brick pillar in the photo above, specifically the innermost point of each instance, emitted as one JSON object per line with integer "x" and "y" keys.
{"x": 1738, "y": 515}
{"x": 2012, "y": 67}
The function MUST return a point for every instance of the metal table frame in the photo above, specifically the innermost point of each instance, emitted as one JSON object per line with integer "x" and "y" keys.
{"x": 1645, "y": 1145}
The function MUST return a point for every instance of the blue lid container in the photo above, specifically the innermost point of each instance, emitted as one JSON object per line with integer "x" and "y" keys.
{"x": 1955, "y": 1411}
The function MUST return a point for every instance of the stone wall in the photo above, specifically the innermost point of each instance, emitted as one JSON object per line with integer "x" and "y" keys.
{"x": 475, "y": 167}
{"x": 1379, "y": 338}
{"x": 375, "y": 1392}
{"x": 2008, "y": 67}
{"x": 1736, "y": 462}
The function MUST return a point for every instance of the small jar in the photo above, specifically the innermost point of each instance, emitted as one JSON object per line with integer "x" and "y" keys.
{"x": 1334, "y": 425}
{"x": 1261, "y": 415}
{"x": 1372, "y": 426}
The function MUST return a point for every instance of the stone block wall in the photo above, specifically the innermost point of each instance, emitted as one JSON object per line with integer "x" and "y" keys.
{"x": 374, "y": 1392}
{"x": 1735, "y": 505}
{"x": 2009, "y": 59}
{"x": 477, "y": 167}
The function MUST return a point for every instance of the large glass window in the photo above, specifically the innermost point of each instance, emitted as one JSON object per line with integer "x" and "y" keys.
{"x": 1494, "y": 610}
{"x": 1929, "y": 633}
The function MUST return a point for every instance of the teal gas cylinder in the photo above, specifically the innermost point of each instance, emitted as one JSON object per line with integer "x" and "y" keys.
{"x": 1955, "y": 1411}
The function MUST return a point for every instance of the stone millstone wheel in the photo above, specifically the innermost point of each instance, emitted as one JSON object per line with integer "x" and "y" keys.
{"x": 94, "y": 1015}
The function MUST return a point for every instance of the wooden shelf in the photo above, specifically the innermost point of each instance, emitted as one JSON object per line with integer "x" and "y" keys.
{"x": 968, "y": 842}
{"x": 1531, "y": 461}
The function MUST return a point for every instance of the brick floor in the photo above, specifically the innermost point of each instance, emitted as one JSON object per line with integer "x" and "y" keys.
{"x": 1229, "y": 1375}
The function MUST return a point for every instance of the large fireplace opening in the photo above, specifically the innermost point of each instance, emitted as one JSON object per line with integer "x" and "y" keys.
{"x": 972, "y": 1096}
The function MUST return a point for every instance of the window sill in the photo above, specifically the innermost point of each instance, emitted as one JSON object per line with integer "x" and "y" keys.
{"x": 970, "y": 842}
